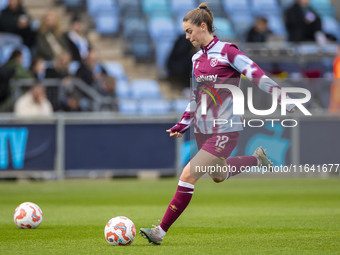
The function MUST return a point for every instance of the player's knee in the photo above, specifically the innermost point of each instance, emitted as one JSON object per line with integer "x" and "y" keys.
{"x": 218, "y": 179}
{"x": 185, "y": 177}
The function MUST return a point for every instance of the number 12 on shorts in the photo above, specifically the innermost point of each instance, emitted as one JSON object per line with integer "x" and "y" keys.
{"x": 221, "y": 141}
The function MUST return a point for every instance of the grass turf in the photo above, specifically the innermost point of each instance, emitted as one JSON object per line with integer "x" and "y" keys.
{"x": 240, "y": 216}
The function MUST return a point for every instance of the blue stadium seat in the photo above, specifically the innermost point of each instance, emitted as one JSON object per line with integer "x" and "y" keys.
{"x": 74, "y": 4}
{"x": 107, "y": 22}
{"x": 134, "y": 27}
{"x": 179, "y": 105}
{"x": 128, "y": 106}
{"x": 10, "y": 39}
{"x": 163, "y": 49}
{"x": 215, "y": 6}
{"x": 224, "y": 30}
{"x": 331, "y": 26}
{"x": 7, "y": 50}
{"x": 123, "y": 90}
{"x": 3, "y": 4}
{"x": 94, "y": 6}
{"x": 287, "y": 3}
{"x": 115, "y": 70}
{"x": 162, "y": 28}
{"x": 145, "y": 89}
{"x": 154, "y": 107}
{"x": 277, "y": 26}
{"x": 181, "y": 7}
{"x": 150, "y": 7}
{"x": 323, "y": 7}
{"x": 179, "y": 24}
{"x": 141, "y": 49}
{"x": 265, "y": 7}
{"x": 236, "y": 7}
{"x": 242, "y": 23}
{"x": 132, "y": 5}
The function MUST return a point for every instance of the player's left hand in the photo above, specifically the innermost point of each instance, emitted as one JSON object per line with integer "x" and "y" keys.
{"x": 174, "y": 134}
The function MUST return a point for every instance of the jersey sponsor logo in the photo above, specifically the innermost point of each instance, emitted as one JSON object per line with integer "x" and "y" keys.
{"x": 202, "y": 78}
{"x": 213, "y": 62}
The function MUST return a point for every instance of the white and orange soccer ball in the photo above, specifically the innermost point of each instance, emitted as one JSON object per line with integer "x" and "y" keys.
{"x": 120, "y": 231}
{"x": 28, "y": 215}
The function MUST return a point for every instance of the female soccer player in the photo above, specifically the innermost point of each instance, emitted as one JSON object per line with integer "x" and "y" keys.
{"x": 216, "y": 63}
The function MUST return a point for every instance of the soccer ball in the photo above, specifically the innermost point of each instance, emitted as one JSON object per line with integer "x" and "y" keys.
{"x": 120, "y": 231}
{"x": 28, "y": 215}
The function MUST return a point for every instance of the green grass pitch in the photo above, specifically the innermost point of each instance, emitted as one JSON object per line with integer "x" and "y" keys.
{"x": 240, "y": 216}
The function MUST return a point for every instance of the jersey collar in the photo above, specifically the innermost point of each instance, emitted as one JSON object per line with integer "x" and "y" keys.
{"x": 205, "y": 49}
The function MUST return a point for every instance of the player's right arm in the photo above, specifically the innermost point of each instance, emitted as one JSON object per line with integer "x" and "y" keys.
{"x": 187, "y": 118}
{"x": 184, "y": 124}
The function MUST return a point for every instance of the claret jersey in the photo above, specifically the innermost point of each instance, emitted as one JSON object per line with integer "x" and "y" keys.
{"x": 220, "y": 63}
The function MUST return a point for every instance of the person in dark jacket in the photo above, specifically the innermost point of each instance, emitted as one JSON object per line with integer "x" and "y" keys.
{"x": 15, "y": 20}
{"x": 179, "y": 64}
{"x": 90, "y": 70}
{"x": 302, "y": 22}
{"x": 78, "y": 44}
{"x": 260, "y": 31}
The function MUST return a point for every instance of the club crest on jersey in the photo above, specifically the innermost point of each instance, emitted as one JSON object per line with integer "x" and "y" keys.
{"x": 213, "y": 62}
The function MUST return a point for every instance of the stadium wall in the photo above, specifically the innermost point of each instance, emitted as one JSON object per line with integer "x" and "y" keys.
{"x": 98, "y": 144}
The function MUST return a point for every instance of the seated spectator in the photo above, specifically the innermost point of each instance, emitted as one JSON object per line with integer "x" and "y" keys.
{"x": 33, "y": 103}
{"x": 303, "y": 23}
{"x": 260, "y": 31}
{"x": 38, "y": 68}
{"x": 108, "y": 86}
{"x": 90, "y": 70}
{"x": 78, "y": 44}
{"x": 14, "y": 19}
{"x": 60, "y": 70}
{"x": 50, "y": 42}
{"x": 60, "y": 66}
{"x": 15, "y": 61}
{"x": 71, "y": 102}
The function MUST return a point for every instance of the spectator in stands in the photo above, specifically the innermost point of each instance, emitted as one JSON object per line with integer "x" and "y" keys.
{"x": 6, "y": 98}
{"x": 14, "y": 19}
{"x": 71, "y": 101}
{"x": 59, "y": 70}
{"x": 179, "y": 64}
{"x": 303, "y": 23}
{"x": 50, "y": 42}
{"x": 33, "y": 103}
{"x": 90, "y": 70}
{"x": 334, "y": 105}
{"x": 107, "y": 87}
{"x": 78, "y": 44}
{"x": 15, "y": 61}
{"x": 70, "y": 97}
{"x": 38, "y": 68}
{"x": 260, "y": 31}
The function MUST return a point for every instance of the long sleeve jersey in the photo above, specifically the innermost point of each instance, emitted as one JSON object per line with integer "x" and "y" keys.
{"x": 220, "y": 63}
